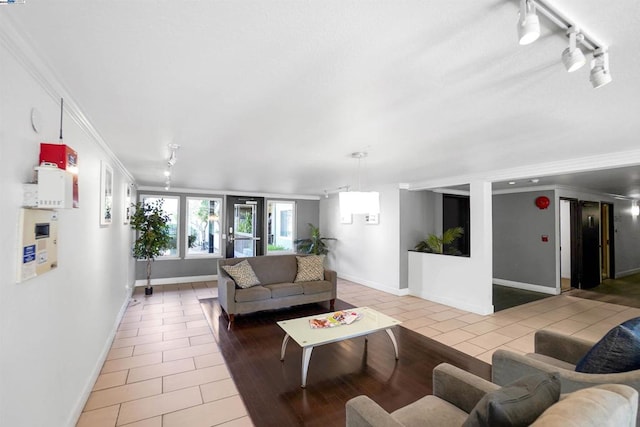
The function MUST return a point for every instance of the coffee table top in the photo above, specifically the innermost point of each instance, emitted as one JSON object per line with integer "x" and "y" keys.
{"x": 370, "y": 321}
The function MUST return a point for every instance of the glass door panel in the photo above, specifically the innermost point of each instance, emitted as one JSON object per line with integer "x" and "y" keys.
{"x": 244, "y": 226}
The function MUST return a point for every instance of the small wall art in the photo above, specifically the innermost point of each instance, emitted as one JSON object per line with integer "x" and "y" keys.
{"x": 126, "y": 213}
{"x": 106, "y": 194}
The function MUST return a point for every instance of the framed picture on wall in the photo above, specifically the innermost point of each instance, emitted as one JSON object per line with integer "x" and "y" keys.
{"x": 106, "y": 194}
{"x": 126, "y": 213}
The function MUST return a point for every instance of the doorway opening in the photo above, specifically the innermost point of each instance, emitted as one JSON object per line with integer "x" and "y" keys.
{"x": 607, "y": 241}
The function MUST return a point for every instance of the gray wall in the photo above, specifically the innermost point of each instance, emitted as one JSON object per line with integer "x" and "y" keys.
{"x": 417, "y": 220}
{"x": 519, "y": 254}
{"x": 307, "y": 211}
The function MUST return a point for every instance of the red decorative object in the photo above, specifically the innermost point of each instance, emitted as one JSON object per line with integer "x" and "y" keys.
{"x": 542, "y": 202}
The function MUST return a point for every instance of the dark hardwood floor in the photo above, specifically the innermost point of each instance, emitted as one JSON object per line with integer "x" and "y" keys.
{"x": 337, "y": 372}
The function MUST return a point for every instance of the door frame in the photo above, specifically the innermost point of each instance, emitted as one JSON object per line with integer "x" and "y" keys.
{"x": 607, "y": 251}
{"x": 230, "y": 201}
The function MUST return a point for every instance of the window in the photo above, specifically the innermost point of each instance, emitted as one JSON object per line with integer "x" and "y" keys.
{"x": 170, "y": 206}
{"x": 280, "y": 230}
{"x": 203, "y": 227}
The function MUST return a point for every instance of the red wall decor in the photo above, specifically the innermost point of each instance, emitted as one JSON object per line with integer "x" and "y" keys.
{"x": 542, "y": 202}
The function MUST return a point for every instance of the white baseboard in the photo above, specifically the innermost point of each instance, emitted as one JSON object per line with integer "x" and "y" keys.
{"x": 527, "y": 286}
{"x": 472, "y": 308}
{"x": 627, "y": 272}
{"x": 172, "y": 280}
{"x": 374, "y": 285}
{"x": 84, "y": 396}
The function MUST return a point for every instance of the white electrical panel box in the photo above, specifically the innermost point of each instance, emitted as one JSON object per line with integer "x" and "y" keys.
{"x": 55, "y": 188}
{"x": 38, "y": 246}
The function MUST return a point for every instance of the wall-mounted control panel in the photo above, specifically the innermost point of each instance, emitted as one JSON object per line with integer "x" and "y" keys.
{"x": 54, "y": 189}
{"x": 38, "y": 246}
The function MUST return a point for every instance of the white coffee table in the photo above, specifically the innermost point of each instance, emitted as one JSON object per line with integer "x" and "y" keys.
{"x": 308, "y": 338}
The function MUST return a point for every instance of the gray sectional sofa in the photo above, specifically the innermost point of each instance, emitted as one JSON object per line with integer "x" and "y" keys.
{"x": 277, "y": 289}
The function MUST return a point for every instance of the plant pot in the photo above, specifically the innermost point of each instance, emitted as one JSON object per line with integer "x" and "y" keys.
{"x": 148, "y": 291}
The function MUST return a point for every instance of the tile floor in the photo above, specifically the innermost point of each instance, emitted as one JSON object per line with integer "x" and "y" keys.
{"x": 165, "y": 368}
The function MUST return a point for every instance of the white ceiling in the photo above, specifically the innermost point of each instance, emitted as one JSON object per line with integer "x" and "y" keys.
{"x": 273, "y": 96}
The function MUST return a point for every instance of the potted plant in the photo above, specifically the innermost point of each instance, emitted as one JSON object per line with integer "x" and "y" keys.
{"x": 313, "y": 245}
{"x": 437, "y": 244}
{"x": 152, "y": 225}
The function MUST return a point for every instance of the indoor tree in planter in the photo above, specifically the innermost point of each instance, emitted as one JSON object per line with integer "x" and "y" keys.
{"x": 313, "y": 245}
{"x": 152, "y": 225}
{"x": 436, "y": 244}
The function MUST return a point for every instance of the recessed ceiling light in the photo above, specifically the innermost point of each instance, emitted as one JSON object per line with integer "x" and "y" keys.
{"x": 535, "y": 180}
{"x": 512, "y": 182}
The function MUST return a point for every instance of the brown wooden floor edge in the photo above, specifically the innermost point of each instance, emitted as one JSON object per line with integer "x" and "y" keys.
{"x": 337, "y": 372}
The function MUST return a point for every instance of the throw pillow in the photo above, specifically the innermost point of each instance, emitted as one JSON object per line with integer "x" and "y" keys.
{"x": 516, "y": 404}
{"x": 617, "y": 351}
{"x": 242, "y": 274}
{"x": 310, "y": 268}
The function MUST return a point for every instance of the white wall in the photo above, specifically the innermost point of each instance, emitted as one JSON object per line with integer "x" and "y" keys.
{"x": 55, "y": 329}
{"x": 366, "y": 254}
{"x": 461, "y": 282}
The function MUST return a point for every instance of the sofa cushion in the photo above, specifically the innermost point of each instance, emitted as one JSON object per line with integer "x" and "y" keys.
{"x": 279, "y": 290}
{"x": 316, "y": 286}
{"x": 310, "y": 268}
{"x": 516, "y": 404}
{"x": 617, "y": 351}
{"x": 254, "y": 293}
{"x": 430, "y": 411}
{"x": 242, "y": 274}
{"x": 589, "y": 407}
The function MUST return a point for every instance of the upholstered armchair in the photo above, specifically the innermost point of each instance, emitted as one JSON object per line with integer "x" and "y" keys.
{"x": 457, "y": 393}
{"x": 555, "y": 352}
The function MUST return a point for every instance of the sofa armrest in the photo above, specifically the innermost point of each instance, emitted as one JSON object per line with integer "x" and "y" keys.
{"x": 362, "y": 411}
{"x": 562, "y": 347}
{"x": 332, "y": 276}
{"x": 458, "y": 387}
{"x": 226, "y": 293}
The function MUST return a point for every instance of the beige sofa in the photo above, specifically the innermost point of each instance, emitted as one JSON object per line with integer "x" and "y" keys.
{"x": 456, "y": 393}
{"x": 277, "y": 289}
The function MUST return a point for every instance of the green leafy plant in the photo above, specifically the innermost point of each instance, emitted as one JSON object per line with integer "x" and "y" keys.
{"x": 437, "y": 244}
{"x": 154, "y": 237}
{"x": 315, "y": 244}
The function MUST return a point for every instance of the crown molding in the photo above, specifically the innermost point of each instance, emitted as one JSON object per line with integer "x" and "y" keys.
{"x": 44, "y": 75}
{"x": 581, "y": 164}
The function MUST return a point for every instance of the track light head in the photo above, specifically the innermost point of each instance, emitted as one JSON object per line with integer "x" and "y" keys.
{"x": 600, "y": 74}
{"x": 572, "y": 57}
{"x": 528, "y": 23}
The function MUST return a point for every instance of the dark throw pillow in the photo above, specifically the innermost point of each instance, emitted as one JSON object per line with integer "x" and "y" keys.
{"x": 516, "y": 404}
{"x": 617, "y": 351}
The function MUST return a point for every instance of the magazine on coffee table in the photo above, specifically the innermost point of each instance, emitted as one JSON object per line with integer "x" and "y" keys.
{"x": 343, "y": 317}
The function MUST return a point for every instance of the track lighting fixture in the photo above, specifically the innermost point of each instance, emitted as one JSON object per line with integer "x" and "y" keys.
{"x": 572, "y": 57}
{"x": 600, "y": 74}
{"x": 170, "y": 163}
{"x": 528, "y": 23}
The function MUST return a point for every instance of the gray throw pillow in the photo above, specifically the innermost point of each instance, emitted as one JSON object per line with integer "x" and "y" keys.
{"x": 516, "y": 404}
{"x": 617, "y": 351}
